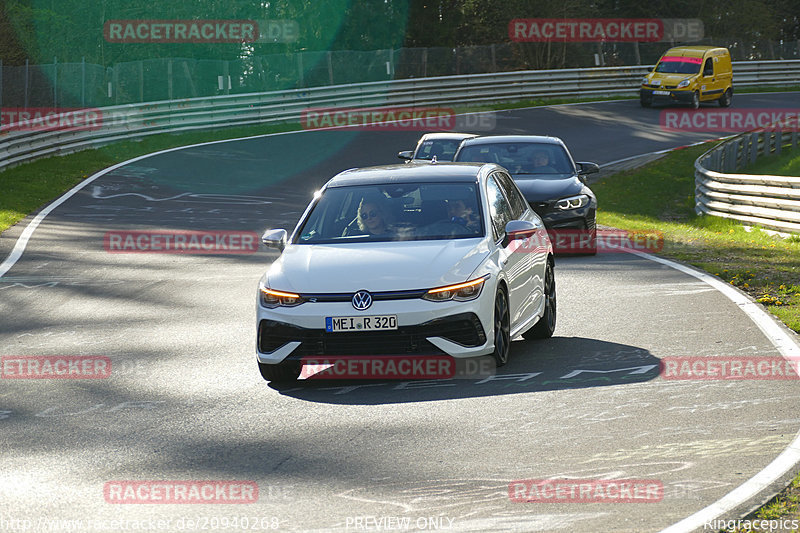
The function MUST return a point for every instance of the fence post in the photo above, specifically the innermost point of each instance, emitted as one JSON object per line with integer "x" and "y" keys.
{"x": 753, "y": 147}
{"x": 778, "y": 141}
{"x": 169, "y": 79}
{"x": 55, "y": 82}
{"x": 25, "y": 99}
{"x": 300, "y": 77}
{"x": 83, "y": 81}
{"x": 115, "y": 83}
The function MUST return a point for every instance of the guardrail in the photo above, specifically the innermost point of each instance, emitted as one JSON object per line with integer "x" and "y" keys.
{"x": 138, "y": 120}
{"x": 769, "y": 201}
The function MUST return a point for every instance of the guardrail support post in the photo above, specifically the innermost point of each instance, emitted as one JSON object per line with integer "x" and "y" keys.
{"x": 753, "y": 147}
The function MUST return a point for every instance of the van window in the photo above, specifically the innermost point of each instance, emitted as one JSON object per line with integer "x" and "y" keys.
{"x": 679, "y": 65}
{"x": 708, "y": 70}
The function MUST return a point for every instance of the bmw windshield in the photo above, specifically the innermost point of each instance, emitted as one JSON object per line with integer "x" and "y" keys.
{"x": 394, "y": 212}
{"x": 521, "y": 158}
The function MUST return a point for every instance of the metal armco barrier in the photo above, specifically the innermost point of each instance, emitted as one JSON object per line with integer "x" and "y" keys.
{"x": 138, "y": 120}
{"x": 769, "y": 201}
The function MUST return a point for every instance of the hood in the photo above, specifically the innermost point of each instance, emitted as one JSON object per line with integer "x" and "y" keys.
{"x": 385, "y": 266}
{"x": 670, "y": 79}
{"x": 554, "y": 188}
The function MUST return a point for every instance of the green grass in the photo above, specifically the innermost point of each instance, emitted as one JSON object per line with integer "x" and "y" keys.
{"x": 783, "y": 506}
{"x": 786, "y": 164}
{"x": 660, "y": 197}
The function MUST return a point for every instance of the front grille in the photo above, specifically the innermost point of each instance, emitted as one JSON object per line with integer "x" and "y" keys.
{"x": 464, "y": 329}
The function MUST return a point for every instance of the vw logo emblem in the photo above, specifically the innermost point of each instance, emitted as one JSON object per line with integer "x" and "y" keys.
{"x": 362, "y": 300}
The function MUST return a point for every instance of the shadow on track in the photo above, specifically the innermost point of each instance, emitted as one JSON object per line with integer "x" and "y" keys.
{"x": 554, "y": 364}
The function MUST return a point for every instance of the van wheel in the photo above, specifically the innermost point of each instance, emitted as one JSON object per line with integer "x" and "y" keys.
{"x": 726, "y": 98}
{"x": 695, "y": 100}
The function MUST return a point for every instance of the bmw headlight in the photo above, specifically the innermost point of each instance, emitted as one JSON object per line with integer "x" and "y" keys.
{"x": 469, "y": 290}
{"x": 573, "y": 202}
{"x": 684, "y": 83}
{"x": 271, "y": 298}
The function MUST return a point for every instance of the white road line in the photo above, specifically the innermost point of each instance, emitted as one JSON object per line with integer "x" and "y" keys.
{"x": 790, "y": 350}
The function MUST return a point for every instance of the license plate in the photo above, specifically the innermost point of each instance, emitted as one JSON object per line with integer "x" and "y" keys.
{"x": 360, "y": 323}
{"x": 661, "y": 93}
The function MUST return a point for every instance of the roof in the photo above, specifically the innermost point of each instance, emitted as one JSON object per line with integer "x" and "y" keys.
{"x": 448, "y": 135}
{"x": 692, "y": 51}
{"x": 496, "y": 139}
{"x": 409, "y": 173}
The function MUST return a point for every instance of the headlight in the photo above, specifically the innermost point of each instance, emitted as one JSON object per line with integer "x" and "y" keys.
{"x": 684, "y": 83}
{"x": 469, "y": 290}
{"x": 645, "y": 81}
{"x": 272, "y": 298}
{"x": 573, "y": 202}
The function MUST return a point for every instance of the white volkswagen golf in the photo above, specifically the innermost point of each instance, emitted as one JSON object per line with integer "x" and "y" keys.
{"x": 407, "y": 260}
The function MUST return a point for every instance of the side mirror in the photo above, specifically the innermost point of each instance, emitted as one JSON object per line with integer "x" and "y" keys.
{"x": 275, "y": 238}
{"x": 585, "y": 167}
{"x": 407, "y": 155}
{"x": 520, "y": 229}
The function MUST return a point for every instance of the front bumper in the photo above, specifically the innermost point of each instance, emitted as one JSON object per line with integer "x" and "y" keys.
{"x": 581, "y": 218}
{"x": 683, "y": 96}
{"x": 457, "y": 329}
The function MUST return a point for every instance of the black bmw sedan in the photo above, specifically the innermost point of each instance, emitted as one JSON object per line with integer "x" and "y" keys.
{"x": 552, "y": 182}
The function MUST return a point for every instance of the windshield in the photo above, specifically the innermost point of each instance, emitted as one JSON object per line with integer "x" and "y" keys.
{"x": 443, "y": 149}
{"x": 396, "y": 212}
{"x": 679, "y": 65}
{"x": 521, "y": 158}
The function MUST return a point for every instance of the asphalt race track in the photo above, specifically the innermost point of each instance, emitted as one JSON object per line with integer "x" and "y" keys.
{"x": 185, "y": 401}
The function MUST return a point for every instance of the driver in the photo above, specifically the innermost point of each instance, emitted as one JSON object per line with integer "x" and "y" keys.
{"x": 459, "y": 213}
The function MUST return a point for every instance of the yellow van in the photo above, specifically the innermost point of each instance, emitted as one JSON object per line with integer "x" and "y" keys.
{"x": 690, "y": 74}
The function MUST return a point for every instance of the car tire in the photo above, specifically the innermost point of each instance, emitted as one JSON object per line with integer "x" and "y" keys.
{"x": 726, "y": 98}
{"x": 502, "y": 328}
{"x": 645, "y": 102}
{"x": 695, "y": 100}
{"x": 281, "y": 372}
{"x": 546, "y": 325}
